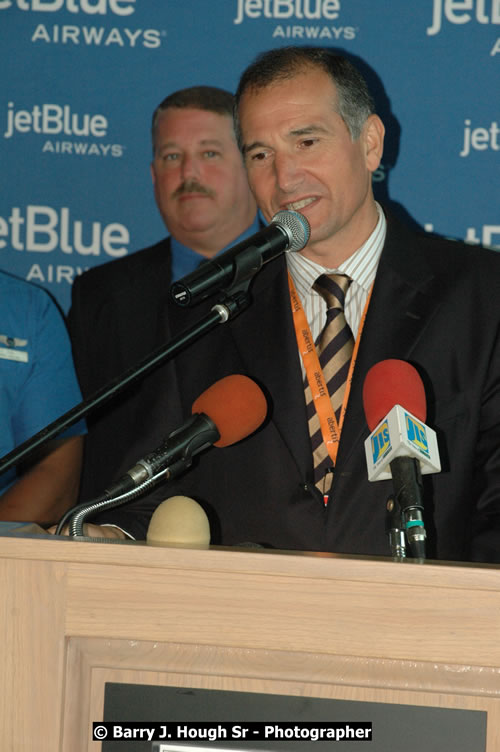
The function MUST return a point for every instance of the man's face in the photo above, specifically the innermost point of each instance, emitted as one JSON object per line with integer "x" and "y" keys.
{"x": 199, "y": 179}
{"x": 300, "y": 156}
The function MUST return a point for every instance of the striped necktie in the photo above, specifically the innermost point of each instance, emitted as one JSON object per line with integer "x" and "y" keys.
{"x": 334, "y": 346}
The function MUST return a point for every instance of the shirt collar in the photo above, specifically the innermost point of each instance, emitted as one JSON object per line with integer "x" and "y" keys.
{"x": 361, "y": 267}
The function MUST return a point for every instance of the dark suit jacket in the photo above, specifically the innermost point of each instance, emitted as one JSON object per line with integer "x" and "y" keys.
{"x": 435, "y": 304}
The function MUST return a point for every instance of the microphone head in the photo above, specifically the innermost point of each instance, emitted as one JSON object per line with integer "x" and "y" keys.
{"x": 179, "y": 521}
{"x": 236, "y": 405}
{"x": 296, "y": 227}
{"x": 393, "y": 382}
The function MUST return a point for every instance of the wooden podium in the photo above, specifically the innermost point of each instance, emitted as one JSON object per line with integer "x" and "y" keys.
{"x": 76, "y": 615}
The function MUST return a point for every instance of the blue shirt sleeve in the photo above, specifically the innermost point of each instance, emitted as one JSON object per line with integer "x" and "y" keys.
{"x": 37, "y": 377}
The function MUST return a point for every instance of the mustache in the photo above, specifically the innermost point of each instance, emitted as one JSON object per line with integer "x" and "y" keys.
{"x": 192, "y": 186}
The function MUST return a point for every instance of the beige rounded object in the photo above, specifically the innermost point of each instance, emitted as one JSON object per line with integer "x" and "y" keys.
{"x": 179, "y": 521}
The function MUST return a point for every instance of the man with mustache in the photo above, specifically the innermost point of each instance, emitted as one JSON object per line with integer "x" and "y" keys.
{"x": 119, "y": 310}
{"x": 199, "y": 182}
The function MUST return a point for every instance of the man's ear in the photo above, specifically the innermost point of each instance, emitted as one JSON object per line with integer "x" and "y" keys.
{"x": 373, "y": 138}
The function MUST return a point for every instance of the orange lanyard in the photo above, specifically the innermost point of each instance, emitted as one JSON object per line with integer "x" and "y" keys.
{"x": 330, "y": 427}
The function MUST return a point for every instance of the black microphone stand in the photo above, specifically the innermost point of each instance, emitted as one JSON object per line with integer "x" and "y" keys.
{"x": 407, "y": 479}
{"x": 231, "y": 304}
{"x": 395, "y": 530}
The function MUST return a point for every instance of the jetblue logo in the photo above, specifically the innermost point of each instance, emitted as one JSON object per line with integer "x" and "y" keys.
{"x": 300, "y": 9}
{"x": 457, "y": 12}
{"x": 380, "y": 442}
{"x": 54, "y": 119}
{"x": 91, "y": 7}
{"x": 416, "y": 435}
{"x": 480, "y": 138}
{"x": 300, "y": 14}
{"x": 460, "y": 12}
{"x": 80, "y": 31}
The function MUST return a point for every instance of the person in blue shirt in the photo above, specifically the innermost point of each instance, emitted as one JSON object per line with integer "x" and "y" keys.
{"x": 37, "y": 385}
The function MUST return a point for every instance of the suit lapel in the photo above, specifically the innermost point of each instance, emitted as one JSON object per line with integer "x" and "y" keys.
{"x": 265, "y": 338}
{"x": 405, "y": 298}
{"x": 403, "y": 301}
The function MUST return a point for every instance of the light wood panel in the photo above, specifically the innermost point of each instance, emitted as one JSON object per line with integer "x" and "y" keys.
{"x": 79, "y": 614}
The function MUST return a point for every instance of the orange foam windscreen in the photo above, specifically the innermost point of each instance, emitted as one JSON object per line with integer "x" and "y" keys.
{"x": 237, "y": 406}
{"x": 393, "y": 382}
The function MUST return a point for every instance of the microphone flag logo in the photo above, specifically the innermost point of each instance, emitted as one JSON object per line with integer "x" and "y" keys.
{"x": 417, "y": 435}
{"x": 380, "y": 442}
{"x": 400, "y": 434}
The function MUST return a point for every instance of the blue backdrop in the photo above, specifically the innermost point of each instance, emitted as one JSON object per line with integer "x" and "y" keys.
{"x": 80, "y": 79}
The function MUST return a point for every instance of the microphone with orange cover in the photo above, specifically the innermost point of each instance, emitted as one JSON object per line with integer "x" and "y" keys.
{"x": 400, "y": 445}
{"x": 392, "y": 382}
{"x": 227, "y": 412}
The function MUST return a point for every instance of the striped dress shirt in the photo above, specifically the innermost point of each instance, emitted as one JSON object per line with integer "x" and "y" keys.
{"x": 361, "y": 267}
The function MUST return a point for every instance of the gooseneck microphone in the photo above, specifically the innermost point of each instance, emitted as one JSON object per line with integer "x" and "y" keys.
{"x": 225, "y": 413}
{"x": 288, "y": 231}
{"x": 400, "y": 445}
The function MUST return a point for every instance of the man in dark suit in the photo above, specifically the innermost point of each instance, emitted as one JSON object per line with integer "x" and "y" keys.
{"x": 311, "y": 141}
{"x": 118, "y": 313}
